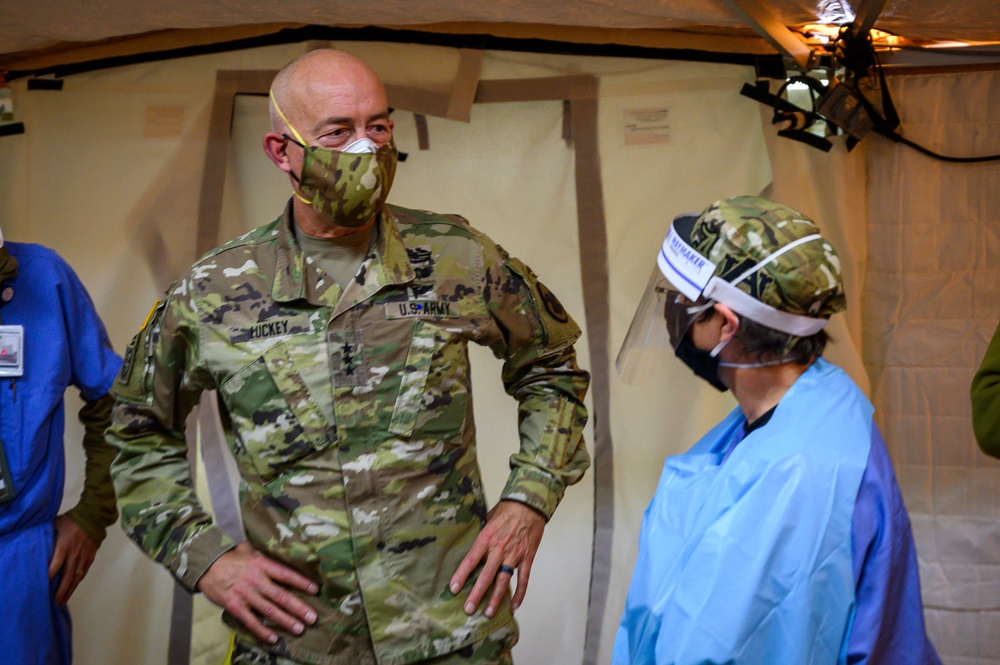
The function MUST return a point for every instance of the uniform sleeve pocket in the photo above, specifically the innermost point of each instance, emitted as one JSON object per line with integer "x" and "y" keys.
{"x": 275, "y": 418}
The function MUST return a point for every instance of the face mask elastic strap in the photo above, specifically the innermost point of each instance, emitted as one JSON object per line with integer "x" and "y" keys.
{"x": 278, "y": 109}
{"x": 698, "y": 309}
{"x": 770, "y": 363}
{"x": 295, "y": 177}
{"x": 292, "y": 173}
{"x": 718, "y": 348}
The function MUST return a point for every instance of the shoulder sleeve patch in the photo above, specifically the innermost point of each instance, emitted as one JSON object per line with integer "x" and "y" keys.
{"x": 559, "y": 328}
{"x": 134, "y": 381}
{"x": 552, "y": 304}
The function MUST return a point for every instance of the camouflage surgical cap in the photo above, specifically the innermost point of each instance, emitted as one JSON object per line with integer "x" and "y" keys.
{"x": 740, "y": 232}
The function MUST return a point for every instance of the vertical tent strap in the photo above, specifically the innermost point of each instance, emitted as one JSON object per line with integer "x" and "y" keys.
{"x": 213, "y": 176}
{"x": 594, "y": 265}
{"x": 212, "y": 441}
{"x": 228, "y": 84}
{"x": 182, "y": 605}
{"x": 453, "y": 104}
{"x": 463, "y": 89}
{"x": 423, "y": 136}
{"x": 580, "y": 94}
{"x": 214, "y": 451}
{"x": 181, "y": 610}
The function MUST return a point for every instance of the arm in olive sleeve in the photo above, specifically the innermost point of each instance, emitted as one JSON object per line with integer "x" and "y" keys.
{"x": 540, "y": 371}
{"x": 96, "y": 510}
{"x": 157, "y": 389}
{"x": 985, "y": 394}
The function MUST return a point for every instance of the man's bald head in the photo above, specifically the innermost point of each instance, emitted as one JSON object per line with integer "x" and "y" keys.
{"x": 291, "y": 84}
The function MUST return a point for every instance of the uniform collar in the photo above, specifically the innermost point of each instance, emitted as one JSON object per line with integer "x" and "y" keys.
{"x": 387, "y": 264}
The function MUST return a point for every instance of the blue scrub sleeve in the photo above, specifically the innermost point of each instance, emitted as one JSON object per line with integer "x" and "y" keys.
{"x": 93, "y": 367}
{"x": 94, "y": 363}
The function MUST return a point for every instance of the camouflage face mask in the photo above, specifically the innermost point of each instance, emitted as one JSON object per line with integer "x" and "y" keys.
{"x": 347, "y": 187}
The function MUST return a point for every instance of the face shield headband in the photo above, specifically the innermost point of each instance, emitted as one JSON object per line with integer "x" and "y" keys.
{"x": 694, "y": 276}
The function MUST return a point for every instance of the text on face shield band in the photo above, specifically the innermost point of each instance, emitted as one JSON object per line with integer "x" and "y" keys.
{"x": 688, "y": 270}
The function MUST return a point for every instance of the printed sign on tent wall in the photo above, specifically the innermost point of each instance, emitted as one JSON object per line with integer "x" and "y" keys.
{"x": 647, "y": 126}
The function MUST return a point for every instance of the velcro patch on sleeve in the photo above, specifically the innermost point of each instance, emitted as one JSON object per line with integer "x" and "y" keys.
{"x": 559, "y": 327}
{"x": 134, "y": 380}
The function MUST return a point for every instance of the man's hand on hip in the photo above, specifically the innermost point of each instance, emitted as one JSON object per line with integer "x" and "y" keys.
{"x": 252, "y": 588}
{"x": 507, "y": 543}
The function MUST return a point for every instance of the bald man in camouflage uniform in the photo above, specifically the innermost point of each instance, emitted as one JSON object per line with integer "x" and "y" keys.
{"x": 336, "y": 338}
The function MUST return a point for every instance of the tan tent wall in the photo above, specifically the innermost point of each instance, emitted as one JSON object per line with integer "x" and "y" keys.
{"x": 931, "y": 305}
{"x": 109, "y": 173}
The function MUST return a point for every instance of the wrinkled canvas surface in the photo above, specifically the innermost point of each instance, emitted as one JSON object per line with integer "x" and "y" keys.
{"x": 124, "y": 215}
{"x": 30, "y": 24}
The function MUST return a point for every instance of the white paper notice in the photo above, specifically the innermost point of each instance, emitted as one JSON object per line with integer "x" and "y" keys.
{"x": 647, "y": 126}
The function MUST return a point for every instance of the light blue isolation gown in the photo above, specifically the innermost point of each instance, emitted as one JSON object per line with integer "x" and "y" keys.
{"x": 792, "y": 547}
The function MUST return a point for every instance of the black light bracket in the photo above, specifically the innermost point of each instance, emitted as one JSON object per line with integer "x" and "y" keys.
{"x": 837, "y": 100}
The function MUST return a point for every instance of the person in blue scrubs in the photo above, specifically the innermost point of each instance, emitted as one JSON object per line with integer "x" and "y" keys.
{"x": 780, "y": 536}
{"x": 50, "y": 338}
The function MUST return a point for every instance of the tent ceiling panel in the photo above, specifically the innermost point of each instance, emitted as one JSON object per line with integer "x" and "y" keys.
{"x": 30, "y": 25}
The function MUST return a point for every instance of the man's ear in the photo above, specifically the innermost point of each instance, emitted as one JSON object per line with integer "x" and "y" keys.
{"x": 275, "y": 147}
{"x": 730, "y": 322}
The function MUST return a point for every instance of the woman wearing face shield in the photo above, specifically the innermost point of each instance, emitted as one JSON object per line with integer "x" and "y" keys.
{"x": 780, "y": 536}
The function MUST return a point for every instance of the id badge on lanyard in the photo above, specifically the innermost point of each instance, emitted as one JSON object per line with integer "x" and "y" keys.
{"x": 11, "y": 366}
{"x": 11, "y": 351}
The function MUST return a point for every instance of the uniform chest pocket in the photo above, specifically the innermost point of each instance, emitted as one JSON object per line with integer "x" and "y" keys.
{"x": 434, "y": 386}
{"x": 273, "y": 414}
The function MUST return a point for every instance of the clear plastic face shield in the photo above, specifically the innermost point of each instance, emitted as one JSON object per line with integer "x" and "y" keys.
{"x": 666, "y": 311}
{"x": 647, "y": 341}
{"x": 681, "y": 289}
{"x": 661, "y": 321}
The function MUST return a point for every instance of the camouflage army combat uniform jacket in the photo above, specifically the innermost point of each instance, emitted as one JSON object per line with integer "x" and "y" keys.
{"x": 350, "y": 418}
